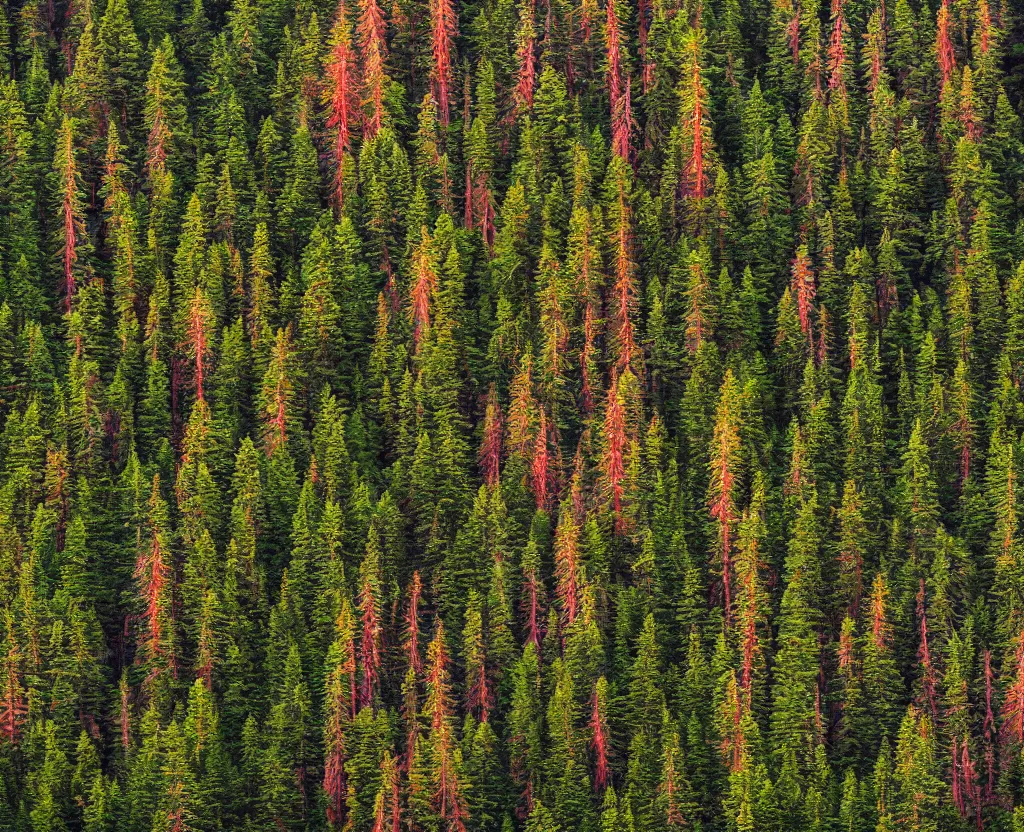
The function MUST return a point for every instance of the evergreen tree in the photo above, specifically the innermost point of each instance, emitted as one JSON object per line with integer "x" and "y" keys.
{"x": 667, "y": 358}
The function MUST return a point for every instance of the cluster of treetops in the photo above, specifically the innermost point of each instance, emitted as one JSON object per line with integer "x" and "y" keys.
{"x": 541, "y": 415}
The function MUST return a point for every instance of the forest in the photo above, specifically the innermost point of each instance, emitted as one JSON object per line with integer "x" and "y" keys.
{"x": 511, "y": 415}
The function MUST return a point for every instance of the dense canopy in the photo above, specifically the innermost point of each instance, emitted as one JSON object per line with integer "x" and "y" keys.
{"x": 511, "y": 415}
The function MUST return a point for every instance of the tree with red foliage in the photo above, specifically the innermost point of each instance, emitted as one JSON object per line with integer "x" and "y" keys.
{"x": 447, "y": 799}
{"x": 724, "y": 480}
{"x": 1013, "y": 704}
{"x": 370, "y": 621}
{"x": 479, "y": 198}
{"x": 165, "y": 115}
{"x": 944, "y": 43}
{"x": 672, "y": 782}
{"x": 13, "y": 700}
{"x": 881, "y": 629}
{"x": 339, "y": 709}
{"x": 414, "y": 670}
{"x": 873, "y": 53}
{"x": 490, "y": 446}
{"x": 424, "y": 284}
{"x": 696, "y": 120}
{"x": 443, "y": 31}
{"x": 614, "y": 451}
{"x": 882, "y": 681}
{"x": 343, "y": 105}
{"x": 622, "y": 124}
{"x": 599, "y": 739}
{"x": 803, "y": 287}
{"x": 412, "y": 624}
{"x": 613, "y": 52}
{"x": 153, "y": 576}
{"x": 199, "y": 339}
{"x": 971, "y": 109}
{"x": 793, "y": 33}
{"x": 924, "y": 656}
{"x": 541, "y": 478}
{"x": 838, "y": 58}
{"x": 966, "y": 792}
{"x": 988, "y": 727}
{"x": 373, "y": 52}
{"x": 623, "y": 300}
{"x": 73, "y": 242}
{"x": 845, "y": 655}
{"x": 985, "y": 33}
{"x": 618, "y": 82}
{"x": 526, "y": 58}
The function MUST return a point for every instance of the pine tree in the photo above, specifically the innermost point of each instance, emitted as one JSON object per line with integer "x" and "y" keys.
{"x": 448, "y": 801}
{"x": 120, "y": 52}
{"x": 725, "y": 469}
{"x": 370, "y": 621}
{"x": 373, "y": 52}
{"x": 340, "y": 708}
{"x": 165, "y": 116}
{"x": 672, "y": 369}
{"x": 444, "y": 31}
{"x": 74, "y": 246}
{"x": 153, "y": 573}
{"x": 14, "y": 705}
{"x": 278, "y": 395}
{"x": 619, "y": 83}
{"x": 796, "y": 718}
{"x": 344, "y": 110}
{"x": 695, "y": 131}
{"x": 617, "y": 448}
{"x": 752, "y": 597}
{"x": 624, "y": 295}
{"x": 299, "y": 203}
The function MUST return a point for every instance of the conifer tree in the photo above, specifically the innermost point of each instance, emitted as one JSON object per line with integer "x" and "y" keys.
{"x": 444, "y": 30}
{"x": 445, "y": 758}
{"x": 373, "y": 51}
{"x": 73, "y": 242}
{"x": 624, "y": 293}
{"x": 666, "y": 357}
{"x": 695, "y": 130}
{"x": 153, "y": 573}
{"x": 344, "y": 110}
{"x": 724, "y": 468}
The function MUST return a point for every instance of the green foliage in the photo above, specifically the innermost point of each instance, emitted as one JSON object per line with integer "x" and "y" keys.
{"x": 635, "y": 447}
